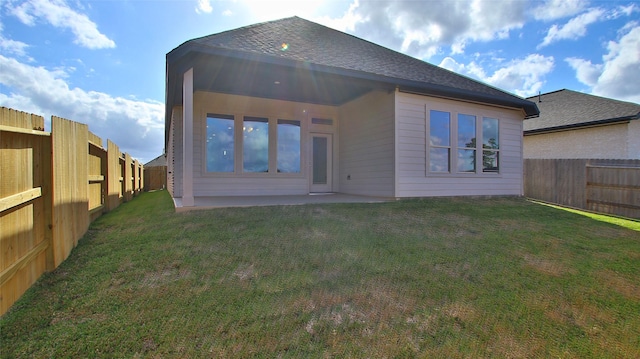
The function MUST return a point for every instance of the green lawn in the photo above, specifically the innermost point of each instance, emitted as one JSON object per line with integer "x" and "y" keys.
{"x": 450, "y": 278}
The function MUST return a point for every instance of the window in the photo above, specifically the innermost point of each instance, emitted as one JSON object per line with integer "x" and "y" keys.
{"x": 255, "y": 144}
{"x": 439, "y": 141}
{"x": 259, "y": 144}
{"x": 490, "y": 145}
{"x": 466, "y": 143}
{"x": 461, "y": 144}
{"x": 220, "y": 143}
{"x": 288, "y": 146}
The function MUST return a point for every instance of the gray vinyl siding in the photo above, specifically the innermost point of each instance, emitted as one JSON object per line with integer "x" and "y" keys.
{"x": 367, "y": 145}
{"x": 413, "y": 179}
{"x": 255, "y": 184}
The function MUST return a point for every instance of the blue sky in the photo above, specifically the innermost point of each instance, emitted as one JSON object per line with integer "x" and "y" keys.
{"x": 103, "y": 62}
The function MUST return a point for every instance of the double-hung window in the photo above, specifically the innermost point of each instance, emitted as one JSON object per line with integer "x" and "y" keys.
{"x": 459, "y": 141}
{"x": 439, "y": 141}
{"x": 466, "y": 143}
{"x": 490, "y": 145}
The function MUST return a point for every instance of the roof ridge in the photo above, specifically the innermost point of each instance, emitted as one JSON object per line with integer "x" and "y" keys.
{"x": 586, "y": 94}
{"x": 241, "y": 28}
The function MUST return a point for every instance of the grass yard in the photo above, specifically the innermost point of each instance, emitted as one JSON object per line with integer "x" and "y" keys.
{"x": 436, "y": 278}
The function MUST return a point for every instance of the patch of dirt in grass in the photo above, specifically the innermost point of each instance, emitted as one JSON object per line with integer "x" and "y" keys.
{"x": 245, "y": 272}
{"x": 164, "y": 276}
{"x": 374, "y": 306}
{"x": 77, "y": 317}
{"x": 382, "y": 302}
{"x": 591, "y": 319}
{"x": 546, "y": 266}
{"x": 623, "y": 286}
{"x": 464, "y": 312}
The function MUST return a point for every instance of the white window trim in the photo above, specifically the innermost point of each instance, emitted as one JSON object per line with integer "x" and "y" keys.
{"x": 453, "y": 141}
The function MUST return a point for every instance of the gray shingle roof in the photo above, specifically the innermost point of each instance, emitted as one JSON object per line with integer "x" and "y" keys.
{"x": 564, "y": 109}
{"x": 311, "y": 43}
{"x": 157, "y": 162}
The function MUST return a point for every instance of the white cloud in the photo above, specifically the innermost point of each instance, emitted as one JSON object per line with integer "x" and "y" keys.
{"x": 524, "y": 77}
{"x": 136, "y": 126}
{"x": 58, "y": 14}
{"x": 574, "y": 29}
{"x": 423, "y": 28}
{"x": 9, "y": 46}
{"x": 12, "y": 47}
{"x": 556, "y": 9}
{"x": 619, "y": 74}
{"x": 586, "y": 72}
{"x": 345, "y": 23}
{"x": 204, "y": 6}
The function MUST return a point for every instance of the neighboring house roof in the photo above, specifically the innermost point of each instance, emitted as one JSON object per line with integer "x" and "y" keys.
{"x": 294, "y": 52}
{"x": 566, "y": 109}
{"x": 157, "y": 162}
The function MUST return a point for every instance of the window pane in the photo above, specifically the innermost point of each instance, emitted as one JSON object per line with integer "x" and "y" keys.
{"x": 255, "y": 145}
{"x": 466, "y": 131}
{"x": 466, "y": 160}
{"x": 440, "y": 128}
{"x": 439, "y": 159}
{"x": 490, "y": 161}
{"x": 220, "y": 134}
{"x": 490, "y": 135}
{"x": 490, "y": 145}
{"x": 288, "y": 146}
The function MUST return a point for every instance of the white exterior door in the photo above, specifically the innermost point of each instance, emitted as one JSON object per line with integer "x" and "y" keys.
{"x": 321, "y": 162}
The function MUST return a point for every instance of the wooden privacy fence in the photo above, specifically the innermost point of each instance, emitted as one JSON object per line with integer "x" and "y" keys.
{"x": 155, "y": 178}
{"x": 52, "y": 185}
{"x": 605, "y": 186}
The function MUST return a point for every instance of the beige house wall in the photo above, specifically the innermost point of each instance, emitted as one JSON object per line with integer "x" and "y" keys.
{"x": 240, "y": 184}
{"x": 610, "y": 142}
{"x": 379, "y": 147}
{"x": 413, "y": 179}
{"x": 367, "y": 147}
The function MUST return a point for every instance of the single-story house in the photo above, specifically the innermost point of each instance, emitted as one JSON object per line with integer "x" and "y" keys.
{"x": 577, "y": 125}
{"x": 291, "y": 107}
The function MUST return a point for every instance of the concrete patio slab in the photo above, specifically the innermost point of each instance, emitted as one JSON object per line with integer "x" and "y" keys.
{"x": 252, "y": 201}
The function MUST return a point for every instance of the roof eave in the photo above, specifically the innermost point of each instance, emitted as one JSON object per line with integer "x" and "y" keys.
{"x": 174, "y": 56}
{"x": 598, "y": 123}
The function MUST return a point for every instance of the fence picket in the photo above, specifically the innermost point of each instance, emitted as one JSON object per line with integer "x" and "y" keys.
{"x": 45, "y": 208}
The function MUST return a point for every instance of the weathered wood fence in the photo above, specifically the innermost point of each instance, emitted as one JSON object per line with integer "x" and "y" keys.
{"x": 605, "y": 186}
{"x": 52, "y": 185}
